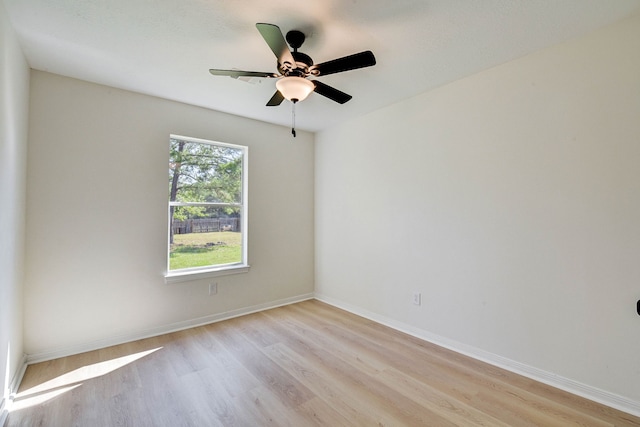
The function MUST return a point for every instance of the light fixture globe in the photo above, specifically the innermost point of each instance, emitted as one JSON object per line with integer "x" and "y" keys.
{"x": 295, "y": 89}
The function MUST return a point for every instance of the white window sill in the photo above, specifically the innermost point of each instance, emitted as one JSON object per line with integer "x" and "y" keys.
{"x": 187, "y": 275}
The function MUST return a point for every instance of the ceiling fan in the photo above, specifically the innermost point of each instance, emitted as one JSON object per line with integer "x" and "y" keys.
{"x": 294, "y": 68}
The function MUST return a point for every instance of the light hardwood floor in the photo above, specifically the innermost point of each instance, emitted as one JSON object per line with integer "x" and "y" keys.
{"x": 299, "y": 365}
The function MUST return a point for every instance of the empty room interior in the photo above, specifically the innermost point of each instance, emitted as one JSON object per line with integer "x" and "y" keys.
{"x": 414, "y": 212}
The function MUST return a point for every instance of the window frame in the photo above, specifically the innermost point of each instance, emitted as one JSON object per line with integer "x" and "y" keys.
{"x": 195, "y": 273}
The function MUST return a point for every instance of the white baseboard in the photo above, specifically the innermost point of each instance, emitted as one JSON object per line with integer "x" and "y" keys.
{"x": 588, "y": 392}
{"x": 5, "y": 404}
{"x": 161, "y": 330}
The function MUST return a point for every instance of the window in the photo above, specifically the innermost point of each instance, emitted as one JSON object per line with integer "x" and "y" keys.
{"x": 207, "y": 208}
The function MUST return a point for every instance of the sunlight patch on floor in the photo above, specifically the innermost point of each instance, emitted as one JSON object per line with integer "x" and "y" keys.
{"x": 37, "y": 399}
{"x": 67, "y": 382}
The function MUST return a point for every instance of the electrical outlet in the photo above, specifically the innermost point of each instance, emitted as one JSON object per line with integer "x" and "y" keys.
{"x": 417, "y": 298}
{"x": 213, "y": 288}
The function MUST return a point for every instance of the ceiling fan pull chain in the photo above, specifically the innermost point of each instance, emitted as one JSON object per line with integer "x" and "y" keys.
{"x": 293, "y": 119}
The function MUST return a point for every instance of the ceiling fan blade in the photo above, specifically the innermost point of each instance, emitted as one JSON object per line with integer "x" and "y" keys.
{"x": 274, "y": 38}
{"x": 346, "y": 63}
{"x": 331, "y": 92}
{"x": 275, "y": 100}
{"x": 239, "y": 73}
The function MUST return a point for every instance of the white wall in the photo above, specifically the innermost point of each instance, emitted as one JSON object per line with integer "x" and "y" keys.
{"x": 14, "y": 98}
{"x": 511, "y": 200}
{"x": 97, "y": 216}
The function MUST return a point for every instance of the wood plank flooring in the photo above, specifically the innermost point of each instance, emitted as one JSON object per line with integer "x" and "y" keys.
{"x": 306, "y": 364}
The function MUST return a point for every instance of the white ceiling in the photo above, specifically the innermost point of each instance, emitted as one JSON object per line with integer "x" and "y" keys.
{"x": 166, "y": 47}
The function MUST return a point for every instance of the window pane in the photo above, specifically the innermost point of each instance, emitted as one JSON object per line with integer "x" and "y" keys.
{"x": 207, "y": 206}
{"x": 200, "y": 172}
{"x": 205, "y": 236}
